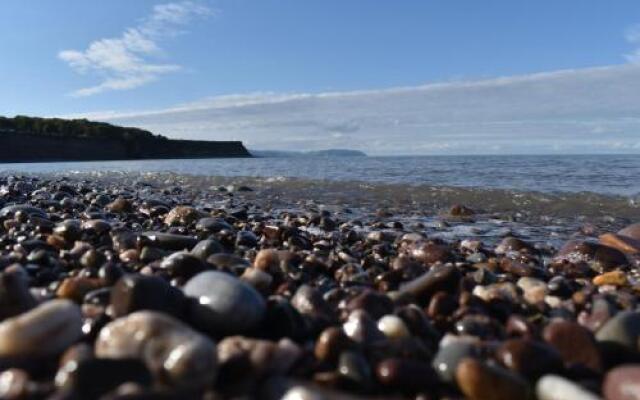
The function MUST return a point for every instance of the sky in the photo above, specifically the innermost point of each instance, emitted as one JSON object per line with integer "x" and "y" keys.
{"x": 385, "y": 77}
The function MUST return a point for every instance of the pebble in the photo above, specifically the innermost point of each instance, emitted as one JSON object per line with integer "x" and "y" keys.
{"x": 622, "y": 329}
{"x": 529, "y": 358}
{"x": 206, "y": 248}
{"x": 169, "y": 241}
{"x": 137, "y": 292}
{"x": 439, "y": 278}
{"x": 174, "y": 353}
{"x": 622, "y": 383}
{"x": 555, "y": 387}
{"x": 449, "y": 356}
{"x": 615, "y": 278}
{"x": 620, "y": 242}
{"x": 182, "y": 215}
{"x": 15, "y": 297}
{"x": 480, "y": 381}
{"x": 93, "y": 377}
{"x": 182, "y": 264}
{"x": 575, "y": 344}
{"x": 393, "y": 327}
{"x": 230, "y": 305}
{"x": 406, "y": 375}
{"x": 331, "y": 343}
{"x": 43, "y": 331}
{"x": 535, "y": 290}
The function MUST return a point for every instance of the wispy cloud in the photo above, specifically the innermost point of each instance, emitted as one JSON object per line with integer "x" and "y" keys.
{"x": 125, "y": 62}
{"x": 582, "y": 110}
{"x": 633, "y": 37}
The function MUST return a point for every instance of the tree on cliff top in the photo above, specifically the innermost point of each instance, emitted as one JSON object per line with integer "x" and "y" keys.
{"x": 72, "y": 128}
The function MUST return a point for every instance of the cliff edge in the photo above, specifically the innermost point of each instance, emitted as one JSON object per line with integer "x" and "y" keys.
{"x": 26, "y": 139}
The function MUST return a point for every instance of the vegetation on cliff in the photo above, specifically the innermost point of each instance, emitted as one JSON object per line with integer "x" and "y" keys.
{"x": 54, "y": 139}
{"x": 72, "y": 128}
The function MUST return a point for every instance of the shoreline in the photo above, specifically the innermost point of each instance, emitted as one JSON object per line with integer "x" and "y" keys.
{"x": 276, "y": 288}
{"x": 532, "y": 206}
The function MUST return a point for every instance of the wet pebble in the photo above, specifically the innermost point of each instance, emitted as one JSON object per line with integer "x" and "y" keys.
{"x": 174, "y": 353}
{"x": 45, "y": 330}
{"x": 230, "y": 306}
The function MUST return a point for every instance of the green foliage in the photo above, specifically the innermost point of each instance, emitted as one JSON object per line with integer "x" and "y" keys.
{"x": 73, "y": 128}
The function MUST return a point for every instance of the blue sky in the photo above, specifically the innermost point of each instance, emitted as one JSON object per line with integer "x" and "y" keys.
{"x": 387, "y": 77}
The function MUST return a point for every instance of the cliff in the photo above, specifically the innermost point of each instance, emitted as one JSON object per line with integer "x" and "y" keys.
{"x": 26, "y": 147}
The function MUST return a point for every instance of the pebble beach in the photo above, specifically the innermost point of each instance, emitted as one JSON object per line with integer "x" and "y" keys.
{"x": 166, "y": 286}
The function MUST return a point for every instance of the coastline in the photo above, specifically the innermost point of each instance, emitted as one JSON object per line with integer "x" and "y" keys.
{"x": 21, "y": 147}
{"x": 304, "y": 280}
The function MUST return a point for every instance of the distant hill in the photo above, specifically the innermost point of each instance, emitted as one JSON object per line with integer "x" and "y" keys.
{"x": 54, "y": 139}
{"x": 317, "y": 153}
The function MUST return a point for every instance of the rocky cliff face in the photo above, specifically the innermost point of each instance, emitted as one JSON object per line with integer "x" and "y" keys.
{"x": 24, "y": 147}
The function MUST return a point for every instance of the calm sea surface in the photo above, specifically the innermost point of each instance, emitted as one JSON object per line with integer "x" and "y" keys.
{"x": 604, "y": 174}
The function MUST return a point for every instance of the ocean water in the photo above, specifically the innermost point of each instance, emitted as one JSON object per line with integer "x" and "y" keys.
{"x": 601, "y": 174}
{"x": 543, "y": 199}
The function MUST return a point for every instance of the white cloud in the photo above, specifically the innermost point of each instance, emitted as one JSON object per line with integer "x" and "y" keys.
{"x": 125, "y": 62}
{"x": 633, "y": 37}
{"x": 582, "y": 110}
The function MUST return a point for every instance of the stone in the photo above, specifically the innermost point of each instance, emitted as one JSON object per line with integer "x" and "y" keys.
{"x": 622, "y": 329}
{"x": 622, "y": 383}
{"x": 504, "y": 291}
{"x": 25, "y": 209}
{"x": 480, "y": 381}
{"x": 632, "y": 231}
{"x": 14, "y": 384}
{"x": 614, "y": 278}
{"x": 439, "y": 278}
{"x": 360, "y": 328}
{"x": 459, "y": 210}
{"x": 625, "y": 244}
{"x": 406, "y": 375}
{"x": 213, "y": 225}
{"x": 555, "y": 387}
{"x": 575, "y": 344}
{"x": 601, "y": 311}
{"x": 263, "y": 357}
{"x": 512, "y": 244}
{"x": 258, "y": 279}
{"x": 230, "y": 305}
{"x": 175, "y": 354}
{"x": 227, "y": 261}
{"x": 93, "y": 377}
{"x": 602, "y": 258}
{"x": 75, "y": 288}
{"x": 429, "y": 253}
{"x": 449, "y": 356}
{"x": 182, "y": 265}
{"x": 15, "y": 297}
{"x": 534, "y": 289}
{"x": 138, "y": 292}
{"x": 182, "y": 215}
{"x": 374, "y": 303}
{"x": 120, "y": 205}
{"x": 168, "y": 241}
{"x": 354, "y": 368}
{"x": 206, "y": 248}
{"x": 331, "y": 343}
{"x": 529, "y": 358}
{"x": 43, "y": 331}
{"x": 393, "y": 327}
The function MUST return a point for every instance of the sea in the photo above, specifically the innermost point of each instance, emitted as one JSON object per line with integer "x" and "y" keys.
{"x": 601, "y": 174}
{"x": 545, "y": 199}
